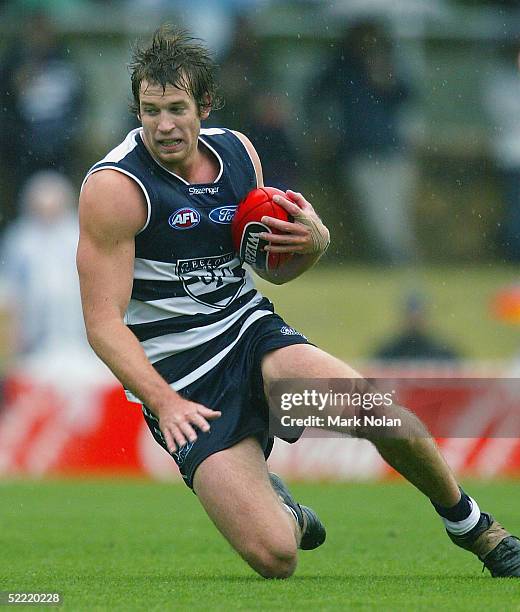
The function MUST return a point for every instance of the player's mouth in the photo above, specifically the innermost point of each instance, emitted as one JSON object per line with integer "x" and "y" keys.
{"x": 170, "y": 145}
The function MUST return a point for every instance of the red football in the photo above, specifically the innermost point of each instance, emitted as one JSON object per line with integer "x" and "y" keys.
{"x": 247, "y": 225}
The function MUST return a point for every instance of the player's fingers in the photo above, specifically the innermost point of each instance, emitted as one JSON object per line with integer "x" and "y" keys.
{"x": 278, "y": 239}
{"x": 283, "y": 226}
{"x": 289, "y": 206}
{"x": 168, "y": 439}
{"x": 188, "y": 430}
{"x": 299, "y": 200}
{"x": 199, "y": 421}
{"x": 292, "y": 248}
{"x": 208, "y": 413}
{"x": 179, "y": 437}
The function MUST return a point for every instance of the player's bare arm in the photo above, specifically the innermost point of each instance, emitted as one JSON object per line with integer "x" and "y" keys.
{"x": 112, "y": 211}
{"x": 306, "y": 236}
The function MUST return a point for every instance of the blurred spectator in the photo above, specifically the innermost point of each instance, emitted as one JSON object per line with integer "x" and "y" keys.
{"x": 252, "y": 107}
{"x": 243, "y": 75}
{"x": 269, "y": 134}
{"x": 415, "y": 341}
{"x": 38, "y": 279}
{"x": 361, "y": 94}
{"x": 501, "y": 94}
{"x": 41, "y": 101}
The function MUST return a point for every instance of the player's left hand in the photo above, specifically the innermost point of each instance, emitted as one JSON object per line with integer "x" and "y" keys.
{"x": 305, "y": 235}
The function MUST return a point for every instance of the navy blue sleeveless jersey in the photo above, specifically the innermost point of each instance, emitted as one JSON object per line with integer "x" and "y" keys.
{"x": 191, "y": 298}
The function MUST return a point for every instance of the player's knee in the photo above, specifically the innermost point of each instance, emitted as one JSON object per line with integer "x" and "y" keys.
{"x": 273, "y": 560}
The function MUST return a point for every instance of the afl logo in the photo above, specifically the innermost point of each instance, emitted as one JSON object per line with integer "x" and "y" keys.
{"x": 184, "y": 218}
{"x": 223, "y": 214}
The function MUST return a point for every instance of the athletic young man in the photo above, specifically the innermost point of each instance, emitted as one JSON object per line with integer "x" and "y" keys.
{"x": 172, "y": 312}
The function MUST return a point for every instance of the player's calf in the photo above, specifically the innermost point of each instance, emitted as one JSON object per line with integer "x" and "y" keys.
{"x": 311, "y": 530}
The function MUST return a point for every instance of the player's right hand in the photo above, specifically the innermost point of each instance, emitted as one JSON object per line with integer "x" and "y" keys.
{"x": 177, "y": 422}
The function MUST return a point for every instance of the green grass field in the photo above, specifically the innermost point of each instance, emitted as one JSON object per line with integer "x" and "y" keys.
{"x": 132, "y": 545}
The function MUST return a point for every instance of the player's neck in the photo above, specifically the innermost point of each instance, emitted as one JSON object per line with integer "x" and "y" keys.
{"x": 203, "y": 168}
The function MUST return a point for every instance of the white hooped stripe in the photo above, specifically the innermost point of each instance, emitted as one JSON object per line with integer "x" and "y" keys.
{"x": 167, "y": 345}
{"x": 210, "y": 364}
{"x": 462, "y": 527}
{"x": 149, "y": 269}
{"x": 206, "y": 367}
{"x": 148, "y": 312}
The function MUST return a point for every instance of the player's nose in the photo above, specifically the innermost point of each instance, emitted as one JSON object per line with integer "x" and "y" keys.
{"x": 166, "y": 123}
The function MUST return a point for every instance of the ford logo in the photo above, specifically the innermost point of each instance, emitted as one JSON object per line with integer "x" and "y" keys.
{"x": 223, "y": 214}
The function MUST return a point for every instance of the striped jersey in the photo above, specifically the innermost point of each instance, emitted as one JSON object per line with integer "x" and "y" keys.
{"x": 191, "y": 298}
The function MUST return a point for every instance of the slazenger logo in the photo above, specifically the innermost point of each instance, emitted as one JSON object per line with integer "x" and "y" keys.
{"x": 184, "y": 218}
{"x": 223, "y": 214}
{"x": 200, "y": 190}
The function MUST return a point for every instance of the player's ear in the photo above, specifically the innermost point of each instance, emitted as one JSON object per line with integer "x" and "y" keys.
{"x": 205, "y": 107}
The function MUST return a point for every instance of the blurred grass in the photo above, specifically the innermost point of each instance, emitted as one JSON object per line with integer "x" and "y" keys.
{"x": 350, "y": 310}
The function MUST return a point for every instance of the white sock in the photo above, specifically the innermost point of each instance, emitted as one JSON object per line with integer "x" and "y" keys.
{"x": 467, "y": 524}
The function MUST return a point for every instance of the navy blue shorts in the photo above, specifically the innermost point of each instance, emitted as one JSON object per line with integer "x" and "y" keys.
{"x": 235, "y": 387}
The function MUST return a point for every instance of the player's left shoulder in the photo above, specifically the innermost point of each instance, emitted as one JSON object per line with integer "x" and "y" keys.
{"x": 244, "y": 139}
{"x": 255, "y": 159}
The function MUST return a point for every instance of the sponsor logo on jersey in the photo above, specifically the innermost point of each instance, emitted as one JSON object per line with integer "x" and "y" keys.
{"x": 202, "y": 190}
{"x": 290, "y": 331}
{"x": 204, "y": 276}
{"x": 223, "y": 214}
{"x": 184, "y": 218}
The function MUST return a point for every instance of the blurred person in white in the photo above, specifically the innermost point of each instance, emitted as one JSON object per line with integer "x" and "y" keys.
{"x": 39, "y": 288}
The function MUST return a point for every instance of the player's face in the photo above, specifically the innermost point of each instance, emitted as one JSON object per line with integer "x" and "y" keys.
{"x": 171, "y": 125}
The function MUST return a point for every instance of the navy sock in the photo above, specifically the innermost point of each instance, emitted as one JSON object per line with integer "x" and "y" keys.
{"x": 458, "y": 512}
{"x": 462, "y": 518}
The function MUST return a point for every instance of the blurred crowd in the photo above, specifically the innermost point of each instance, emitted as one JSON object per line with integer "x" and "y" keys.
{"x": 343, "y": 141}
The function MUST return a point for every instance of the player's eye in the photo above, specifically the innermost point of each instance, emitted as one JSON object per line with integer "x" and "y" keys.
{"x": 150, "y": 111}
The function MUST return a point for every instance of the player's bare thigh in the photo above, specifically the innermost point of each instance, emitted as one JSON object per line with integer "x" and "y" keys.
{"x": 304, "y": 361}
{"x": 234, "y": 488}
